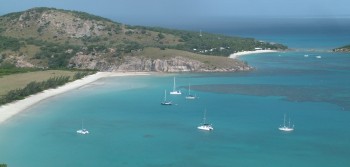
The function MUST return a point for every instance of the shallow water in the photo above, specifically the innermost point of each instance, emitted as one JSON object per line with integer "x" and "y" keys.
{"x": 129, "y": 127}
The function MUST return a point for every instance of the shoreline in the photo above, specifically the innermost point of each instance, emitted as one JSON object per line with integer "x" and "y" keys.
{"x": 11, "y": 109}
{"x": 243, "y": 53}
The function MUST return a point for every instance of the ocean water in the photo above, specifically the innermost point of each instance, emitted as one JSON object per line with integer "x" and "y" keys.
{"x": 311, "y": 34}
{"x": 128, "y": 126}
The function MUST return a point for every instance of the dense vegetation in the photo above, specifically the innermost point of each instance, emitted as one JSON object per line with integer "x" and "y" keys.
{"x": 3, "y": 165}
{"x": 35, "y": 87}
{"x": 32, "y": 88}
{"x": 8, "y": 43}
{"x": 57, "y": 55}
{"x": 82, "y": 74}
{"x": 212, "y": 44}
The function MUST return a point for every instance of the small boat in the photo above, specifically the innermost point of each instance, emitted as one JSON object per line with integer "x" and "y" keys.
{"x": 284, "y": 127}
{"x": 82, "y": 131}
{"x": 306, "y": 55}
{"x": 165, "y": 102}
{"x": 189, "y": 96}
{"x": 207, "y": 127}
{"x": 204, "y": 125}
{"x": 318, "y": 57}
{"x": 175, "y": 92}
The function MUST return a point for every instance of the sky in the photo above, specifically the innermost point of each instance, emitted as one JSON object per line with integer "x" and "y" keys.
{"x": 176, "y": 12}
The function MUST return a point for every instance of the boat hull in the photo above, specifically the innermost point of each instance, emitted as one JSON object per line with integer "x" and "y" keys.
{"x": 82, "y": 131}
{"x": 166, "y": 103}
{"x": 286, "y": 129}
{"x": 190, "y": 97}
{"x": 205, "y": 127}
{"x": 175, "y": 93}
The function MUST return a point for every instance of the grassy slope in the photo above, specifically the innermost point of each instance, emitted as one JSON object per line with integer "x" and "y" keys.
{"x": 16, "y": 81}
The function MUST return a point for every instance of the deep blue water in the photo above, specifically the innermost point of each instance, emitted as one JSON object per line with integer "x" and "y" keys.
{"x": 129, "y": 127}
{"x": 297, "y": 33}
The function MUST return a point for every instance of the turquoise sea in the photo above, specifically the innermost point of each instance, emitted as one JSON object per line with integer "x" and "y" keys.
{"x": 129, "y": 128}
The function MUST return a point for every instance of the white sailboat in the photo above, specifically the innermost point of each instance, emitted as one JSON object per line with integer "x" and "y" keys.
{"x": 175, "y": 92}
{"x": 286, "y": 128}
{"x": 204, "y": 125}
{"x": 82, "y": 130}
{"x": 165, "y": 102}
{"x": 189, "y": 96}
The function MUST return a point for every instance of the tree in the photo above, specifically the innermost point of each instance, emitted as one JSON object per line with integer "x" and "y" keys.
{"x": 161, "y": 36}
{"x": 32, "y": 88}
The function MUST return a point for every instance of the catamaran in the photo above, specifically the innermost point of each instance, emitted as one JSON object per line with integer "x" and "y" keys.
{"x": 82, "y": 130}
{"x": 165, "y": 102}
{"x": 189, "y": 96}
{"x": 284, "y": 127}
{"x": 204, "y": 125}
{"x": 175, "y": 92}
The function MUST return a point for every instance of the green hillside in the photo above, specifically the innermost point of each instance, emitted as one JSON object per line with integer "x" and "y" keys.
{"x": 49, "y": 38}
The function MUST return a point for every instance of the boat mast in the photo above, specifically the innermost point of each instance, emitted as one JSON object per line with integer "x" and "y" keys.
{"x": 174, "y": 85}
{"x": 204, "y": 118}
{"x": 289, "y": 123}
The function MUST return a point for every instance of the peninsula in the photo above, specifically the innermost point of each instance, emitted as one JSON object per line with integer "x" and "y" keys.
{"x": 342, "y": 49}
{"x": 54, "y": 38}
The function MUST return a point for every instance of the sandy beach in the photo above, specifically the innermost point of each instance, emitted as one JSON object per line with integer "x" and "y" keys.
{"x": 11, "y": 109}
{"x": 236, "y": 55}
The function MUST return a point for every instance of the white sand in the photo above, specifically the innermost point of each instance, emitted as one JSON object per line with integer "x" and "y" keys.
{"x": 236, "y": 55}
{"x": 11, "y": 109}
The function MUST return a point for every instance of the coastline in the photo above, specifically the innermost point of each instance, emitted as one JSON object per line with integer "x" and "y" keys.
{"x": 11, "y": 109}
{"x": 243, "y": 53}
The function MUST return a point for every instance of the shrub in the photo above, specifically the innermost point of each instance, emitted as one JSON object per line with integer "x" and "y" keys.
{"x": 8, "y": 43}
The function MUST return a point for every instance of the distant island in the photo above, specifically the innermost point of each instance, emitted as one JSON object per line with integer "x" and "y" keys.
{"x": 50, "y": 38}
{"x": 342, "y": 49}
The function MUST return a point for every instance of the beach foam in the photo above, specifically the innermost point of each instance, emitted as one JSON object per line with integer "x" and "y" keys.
{"x": 11, "y": 109}
{"x": 236, "y": 55}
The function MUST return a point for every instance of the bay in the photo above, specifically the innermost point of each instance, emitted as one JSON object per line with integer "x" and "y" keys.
{"x": 129, "y": 127}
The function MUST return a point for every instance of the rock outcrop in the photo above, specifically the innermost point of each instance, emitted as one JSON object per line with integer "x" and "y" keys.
{"x": 176, "y": 64}
{"x": 343, "y": 49}
{"x": 132, "y": 63}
